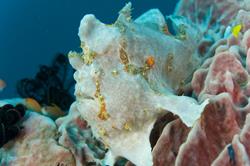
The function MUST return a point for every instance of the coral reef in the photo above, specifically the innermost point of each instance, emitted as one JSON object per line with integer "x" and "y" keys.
{"x": 150, "y": 91}
{"x": 219, "y": 137}
{"x": 35, "y": 145}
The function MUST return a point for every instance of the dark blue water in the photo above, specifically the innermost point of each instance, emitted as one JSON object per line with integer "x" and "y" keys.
{"x": 32, "y": 31}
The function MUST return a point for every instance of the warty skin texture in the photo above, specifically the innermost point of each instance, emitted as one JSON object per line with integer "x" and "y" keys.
{"x": 118, "y": 94}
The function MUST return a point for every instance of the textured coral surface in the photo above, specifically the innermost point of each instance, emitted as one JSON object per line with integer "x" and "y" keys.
{"x": 35, "y": 145}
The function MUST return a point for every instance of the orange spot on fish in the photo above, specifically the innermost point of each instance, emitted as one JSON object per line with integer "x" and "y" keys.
{"x": 150, "y": 61}
{"x": 103, "y": 114}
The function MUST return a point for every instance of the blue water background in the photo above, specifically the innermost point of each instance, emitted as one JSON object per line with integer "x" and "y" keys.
{"x": 32, "y": 31}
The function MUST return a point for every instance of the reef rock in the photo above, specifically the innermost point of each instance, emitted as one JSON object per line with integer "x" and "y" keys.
{"x": 35, "y": 145}
{"x": 215, "y": 129}
{"x": 219, "y": 137}
{"x": 237, "y": 153}
{"x": 167, "y": 146}
{"x": 77, "y": 136}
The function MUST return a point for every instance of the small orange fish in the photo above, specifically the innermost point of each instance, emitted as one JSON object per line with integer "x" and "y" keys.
{"x": 2, "y": 85}
{"x": 32, "y": 104}
{"x": 53, "y": 111}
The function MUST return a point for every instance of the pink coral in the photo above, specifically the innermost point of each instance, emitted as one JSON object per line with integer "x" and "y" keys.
{"x": 221, "y": 136}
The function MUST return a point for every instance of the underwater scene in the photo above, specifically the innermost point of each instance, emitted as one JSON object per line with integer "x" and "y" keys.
{"x": 125, "y": 83}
